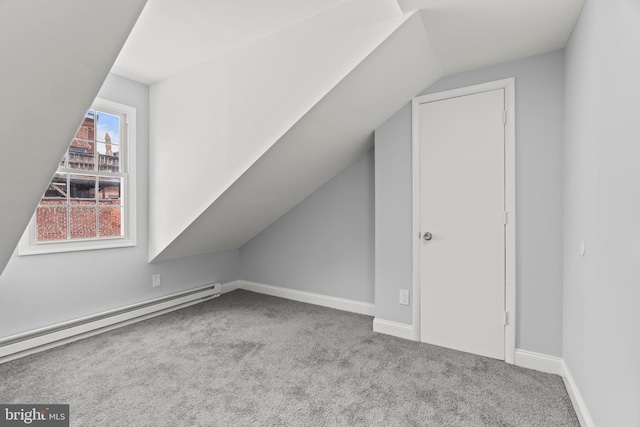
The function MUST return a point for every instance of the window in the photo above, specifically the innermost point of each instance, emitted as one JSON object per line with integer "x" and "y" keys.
{"x": 90, "y": 201}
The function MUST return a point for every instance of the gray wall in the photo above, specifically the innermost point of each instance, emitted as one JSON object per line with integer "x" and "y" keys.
{"x": 393, "y": 226}
{"x": 323, "y": 245}
{"x": 41, "y": 290}
{"x": 539, "y": 127}
{"x": 602, "y": 208}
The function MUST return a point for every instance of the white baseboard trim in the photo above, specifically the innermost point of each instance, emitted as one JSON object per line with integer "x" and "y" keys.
{"x": 538, "y": 362}
{"x": 308, "y": 297}
{"x": 387, "y": 327}
{"x": 576, "y": 398}
{"x": 557, "y": 366}
{"x": 231, "y": 286}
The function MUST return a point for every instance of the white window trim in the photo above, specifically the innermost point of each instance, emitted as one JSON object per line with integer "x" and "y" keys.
{"x": 28, "y": 244}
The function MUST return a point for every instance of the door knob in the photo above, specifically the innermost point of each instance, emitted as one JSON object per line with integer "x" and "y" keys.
{"x": 427, "y": 236}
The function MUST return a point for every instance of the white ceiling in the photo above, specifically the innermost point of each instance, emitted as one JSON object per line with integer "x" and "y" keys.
{"x": 469, "y": 34}
{"x": 172, "y": 36}
{"x": 233, "y": 58}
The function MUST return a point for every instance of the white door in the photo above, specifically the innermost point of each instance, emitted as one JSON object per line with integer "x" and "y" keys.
{"x": 462, "y": 206}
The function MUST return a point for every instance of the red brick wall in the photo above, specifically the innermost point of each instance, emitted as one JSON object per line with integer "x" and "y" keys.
{"x": 87, "y": 129}
{"x": 110, "y": 221}
{"x": 82, "y": 222}
{"x": 51, "y": 222}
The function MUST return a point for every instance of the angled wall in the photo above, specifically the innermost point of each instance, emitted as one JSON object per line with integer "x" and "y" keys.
{"x": 54, "y": 60}
{"x": 269, "y": 124}
{"x": 254, "y": 132}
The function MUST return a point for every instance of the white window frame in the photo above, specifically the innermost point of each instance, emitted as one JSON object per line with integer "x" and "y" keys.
{"x": 28, "y": 244}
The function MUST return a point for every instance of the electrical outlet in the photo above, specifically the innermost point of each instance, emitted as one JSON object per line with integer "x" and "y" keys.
{"x": 156, "y": 281}
{"x": 404, "y": 297}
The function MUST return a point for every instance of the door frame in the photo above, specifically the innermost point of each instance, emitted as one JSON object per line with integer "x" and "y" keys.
{"x": 510, "y": 202}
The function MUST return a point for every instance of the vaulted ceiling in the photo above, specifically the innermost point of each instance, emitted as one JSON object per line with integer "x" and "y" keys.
{"x": 173, "y": 36}
{"x": 277, "y": 96}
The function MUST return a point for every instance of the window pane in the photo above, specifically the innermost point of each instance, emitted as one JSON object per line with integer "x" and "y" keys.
{"x": 108, "y": 128}
{"x": 87, "y": 128}
{"x": 108, "y": 157}
{"x": 110, "y": 221}
{"x": 56, "y": 193}
{"x": 81, "y": 155}
{"x": 82, "y": 149}
{"x": 82, "y": 222}
{"x": 82, "y": 190}
{"x": 109, "y": 191}
{"x": 51, "y": 223}
{"x": 85, "y": 199}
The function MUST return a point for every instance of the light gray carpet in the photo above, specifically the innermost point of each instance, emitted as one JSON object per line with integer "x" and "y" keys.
{"x": 246, "y": 359}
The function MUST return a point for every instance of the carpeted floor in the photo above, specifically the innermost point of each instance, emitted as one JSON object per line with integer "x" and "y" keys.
{"x": 246, "y": 359}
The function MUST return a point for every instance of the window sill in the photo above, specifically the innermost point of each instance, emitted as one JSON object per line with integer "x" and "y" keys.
{"x": 27, "y": 248}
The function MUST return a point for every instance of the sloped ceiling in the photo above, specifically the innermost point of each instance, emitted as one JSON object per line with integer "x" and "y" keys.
{"x": 235, "y": 108}
{"x": 332, "y": 134}
{"x": 467, "y": 34}
{"x": 196, "y": 54}
{"x": 54, "y": 57}
{"x": 173, "y": 36}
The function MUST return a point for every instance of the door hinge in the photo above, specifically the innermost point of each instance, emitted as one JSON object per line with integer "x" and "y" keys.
{"x": 506, "y": 217}
{"x": 504, "y": 117}
{"x": 506, "y": 318}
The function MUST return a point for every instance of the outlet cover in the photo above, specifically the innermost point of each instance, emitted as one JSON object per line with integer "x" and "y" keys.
{"x": 157, "y": 281}
{"x": 404, "y": 297}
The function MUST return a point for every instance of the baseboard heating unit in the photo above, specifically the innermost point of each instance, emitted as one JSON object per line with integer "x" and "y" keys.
{"x": 23, "y": 344}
